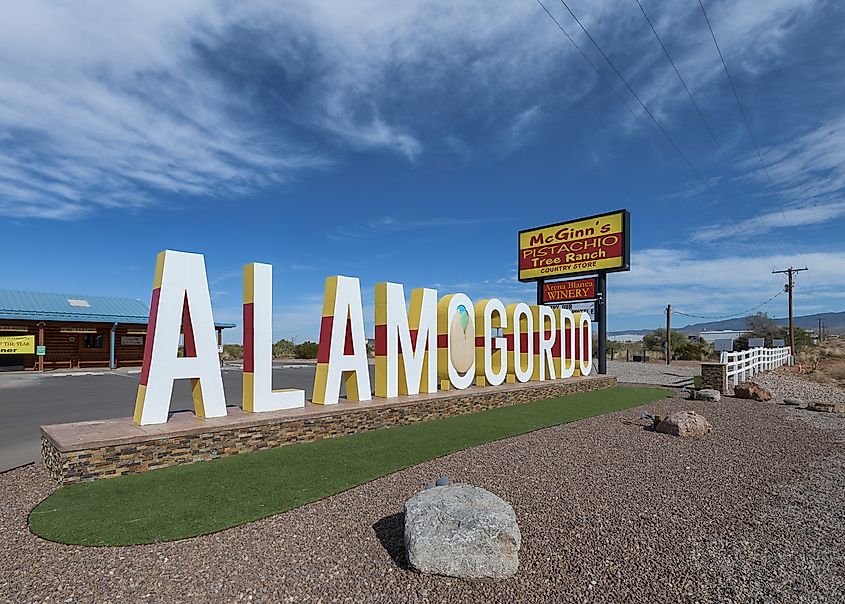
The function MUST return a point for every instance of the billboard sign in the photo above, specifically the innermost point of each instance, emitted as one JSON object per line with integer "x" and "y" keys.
{"x": 17, "y": 344}
{"x": 723, "y": 345}
{"x": 569, "y": 291}
{"x": 595, "y": 244}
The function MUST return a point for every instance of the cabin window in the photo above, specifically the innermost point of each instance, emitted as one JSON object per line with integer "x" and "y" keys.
{"x": 92, "y": 340}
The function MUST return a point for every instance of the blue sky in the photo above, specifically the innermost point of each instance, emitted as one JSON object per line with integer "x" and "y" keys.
{"x": 411, "y": 141}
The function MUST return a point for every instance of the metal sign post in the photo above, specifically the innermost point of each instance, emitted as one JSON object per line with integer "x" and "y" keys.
{"x": 601, "y": 316}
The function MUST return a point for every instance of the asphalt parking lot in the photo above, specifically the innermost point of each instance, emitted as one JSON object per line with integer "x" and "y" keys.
{"x": 29, "y": 400}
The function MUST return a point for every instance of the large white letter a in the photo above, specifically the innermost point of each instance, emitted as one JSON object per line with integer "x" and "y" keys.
{"x": 180, "y": 296}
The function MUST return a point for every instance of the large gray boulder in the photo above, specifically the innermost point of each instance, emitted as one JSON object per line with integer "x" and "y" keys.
{"x": 708, "y": 394}
{"x": 684, "y": 423}
{"x": 460, "y": 530}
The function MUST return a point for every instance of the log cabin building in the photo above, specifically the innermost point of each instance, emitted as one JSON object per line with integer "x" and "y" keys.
{"x": 75, "y": 330}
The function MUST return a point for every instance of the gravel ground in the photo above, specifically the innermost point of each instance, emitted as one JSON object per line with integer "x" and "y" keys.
{"x": 677, "y": 375}
{"x": 784, "y": 383}
{"x": 609, "y": 512}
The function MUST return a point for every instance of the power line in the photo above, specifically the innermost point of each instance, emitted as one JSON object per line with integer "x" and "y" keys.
{"x": 636, "y": 96}
{"x": 736, "y": 95}
{"x": 616, "y": 93}
{"x": 745, "y": 119}
{"x": 593, "y": 65}
{"x": 743, "y": 313}
{"x": 683, "y": 83}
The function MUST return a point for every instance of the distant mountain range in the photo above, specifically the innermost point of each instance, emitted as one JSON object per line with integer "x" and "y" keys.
{"x": 834, "y": 322}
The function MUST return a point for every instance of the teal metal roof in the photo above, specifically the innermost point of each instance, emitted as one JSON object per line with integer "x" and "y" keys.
{"x": 37, "y": 306}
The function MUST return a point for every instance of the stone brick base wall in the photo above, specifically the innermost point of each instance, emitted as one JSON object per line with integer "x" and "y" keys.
{"x": 715, "y": 376}
{"x": 86, "y": 464}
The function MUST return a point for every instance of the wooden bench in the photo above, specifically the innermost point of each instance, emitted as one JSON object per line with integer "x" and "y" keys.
{"x": 92, "y": 363}
{"x": 58, "y": 361}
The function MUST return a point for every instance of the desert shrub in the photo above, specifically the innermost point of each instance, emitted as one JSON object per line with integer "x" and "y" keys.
{"x": 656, "y": 340}
{"x": 691, "y": 351}
{"x": 233, "y": 352}
{"x": 284, "y": 349}
{"x": 306, "y": 350}
{"x": 837, "y": 371}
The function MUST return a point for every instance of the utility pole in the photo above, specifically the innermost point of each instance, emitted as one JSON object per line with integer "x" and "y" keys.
{"x": 788, "y": 288}
{"x": 668, "y": 334}
{"x": 820, "y": 331}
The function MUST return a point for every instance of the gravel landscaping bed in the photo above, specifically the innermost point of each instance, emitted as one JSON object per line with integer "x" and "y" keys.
{"x": 609, "y": 512}
{"x": 785, "y": 383}
{"x": 676, "y": 375}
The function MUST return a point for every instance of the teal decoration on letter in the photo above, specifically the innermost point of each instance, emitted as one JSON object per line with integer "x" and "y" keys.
{"x": 464, "y": 316}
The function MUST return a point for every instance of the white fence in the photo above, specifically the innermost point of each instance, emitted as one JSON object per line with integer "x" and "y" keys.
{"x": 745, "y": 364}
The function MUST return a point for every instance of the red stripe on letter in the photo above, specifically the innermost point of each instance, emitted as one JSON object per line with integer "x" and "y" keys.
{"x": 151, "y": 331}
{"x": 249, "y": 338}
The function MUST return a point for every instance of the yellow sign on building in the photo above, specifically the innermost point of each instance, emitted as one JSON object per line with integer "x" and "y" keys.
{"x": 17, "y": 344}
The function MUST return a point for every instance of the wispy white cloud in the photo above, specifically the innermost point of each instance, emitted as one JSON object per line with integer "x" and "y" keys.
{"x": 520, "y": 129}
{"x": 121, "y": 105}
{"x": 808, "y": 176}
{"x": 104, "y": 106}
{"x": 716, "y": 286}
{"x": 724, "y": 284}
{"x": 750, "y": 229}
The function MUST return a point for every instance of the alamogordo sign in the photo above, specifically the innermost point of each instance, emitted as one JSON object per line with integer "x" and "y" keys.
{"x": 450, "y": 342}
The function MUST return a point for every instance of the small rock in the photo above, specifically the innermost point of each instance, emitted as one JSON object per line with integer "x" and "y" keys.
{"x": 429, "y": 485}
{"x": 684, "y": 423}
{"x": 794, "y": 402}
{"x": 752, "y": 391}
{"x": 442, "y": 481}
{"x": 708, "y": 394}
{"x": 463, "y": 531}
{"x": 827, "y": 407}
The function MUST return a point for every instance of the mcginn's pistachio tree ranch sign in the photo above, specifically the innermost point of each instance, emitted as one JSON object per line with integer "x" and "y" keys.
{"x": 435, "y": 343}
{"x": 597, "y": 244}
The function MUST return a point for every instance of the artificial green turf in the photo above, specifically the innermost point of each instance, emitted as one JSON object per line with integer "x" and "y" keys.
{"x": 195, "y": 499}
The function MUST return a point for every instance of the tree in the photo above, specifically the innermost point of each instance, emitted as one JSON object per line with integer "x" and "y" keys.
{"x": 763, "y": 326}
{"x": 656, "y": 340}
{"x": 691, "y": 351}
{"x": 233, "y": 352}
{"x": 284, "y": 349}
{"x": 306, "y": 350}
{"x": 803, "y": 339}
{"x": 613, "y": 347}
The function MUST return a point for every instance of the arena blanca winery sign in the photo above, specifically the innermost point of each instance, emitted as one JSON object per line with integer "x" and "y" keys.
{"x": 449, "y": 342}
